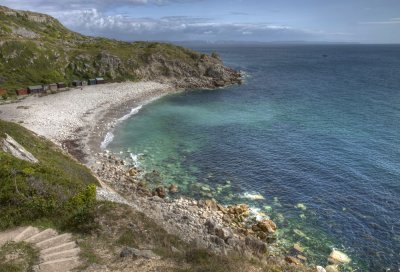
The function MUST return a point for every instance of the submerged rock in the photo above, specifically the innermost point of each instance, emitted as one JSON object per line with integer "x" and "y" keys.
{"x": 292, "y": 260}
{"x": 301, "y": 206}
{"x": 331, "y": 268}
{"x": 173, "y": 188}
{"x": 298, "y": 247}
{"x": 337, "y": 256}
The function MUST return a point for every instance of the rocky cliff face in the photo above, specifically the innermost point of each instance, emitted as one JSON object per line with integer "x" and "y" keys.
{"x": 37, "y": 49}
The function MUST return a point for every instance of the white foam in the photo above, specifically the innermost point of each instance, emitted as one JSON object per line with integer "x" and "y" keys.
{"x": 253, "y": 196}
{"x": 257, "y": 213}
{"x": 135, "y": 159}
{"x": 107, "y": 140}
{"x": 133, "y": 112}
{"x": 110, "y": 136}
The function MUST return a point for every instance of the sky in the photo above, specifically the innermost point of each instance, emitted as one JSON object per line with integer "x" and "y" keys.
{"x": 362, "y": 21}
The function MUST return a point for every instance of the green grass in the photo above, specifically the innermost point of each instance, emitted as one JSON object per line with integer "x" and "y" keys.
{"x": 17, "y": 257}
{"x": 58, "y": 54}
{"x": 57, "y": 191}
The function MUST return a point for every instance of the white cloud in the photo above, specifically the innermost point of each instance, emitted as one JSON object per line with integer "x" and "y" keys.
{"x": 391, "y": 21}
{"x": 50, "y": 5}
{"x": 94, "y": 22}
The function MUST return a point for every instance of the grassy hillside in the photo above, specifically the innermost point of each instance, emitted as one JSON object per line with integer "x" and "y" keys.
{"x": 37, "y": 49}
{"x": 56, "y": 191}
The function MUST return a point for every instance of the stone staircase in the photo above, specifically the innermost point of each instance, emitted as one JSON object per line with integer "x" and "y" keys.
{"x": 58, "y": 252}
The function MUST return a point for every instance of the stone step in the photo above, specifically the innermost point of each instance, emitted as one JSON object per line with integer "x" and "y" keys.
{"x": 59, "y": 248}
{"x": 60, "y": 255}
{"x": 9, "y": 235}
{"x": 54, "y": 241}
{"x": 60, "y": 265}
{"x": 41, "y": 236}
{"x": 26, "y": 233}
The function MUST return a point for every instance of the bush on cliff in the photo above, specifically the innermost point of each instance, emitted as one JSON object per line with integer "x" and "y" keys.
{"x": 57, "y": 191}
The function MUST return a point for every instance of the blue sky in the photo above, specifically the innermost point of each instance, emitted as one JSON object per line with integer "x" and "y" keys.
{"x": 364, "y": 21}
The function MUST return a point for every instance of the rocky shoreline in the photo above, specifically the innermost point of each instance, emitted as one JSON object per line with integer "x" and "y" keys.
{"x": 205, "y": 223}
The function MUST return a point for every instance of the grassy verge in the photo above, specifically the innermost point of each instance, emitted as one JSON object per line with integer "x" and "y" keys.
{"x": 57, "y": 191}
{"x": 17, "y": 257}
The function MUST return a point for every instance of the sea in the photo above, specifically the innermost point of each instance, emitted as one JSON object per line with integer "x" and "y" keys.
{"x": 311, "y": 139}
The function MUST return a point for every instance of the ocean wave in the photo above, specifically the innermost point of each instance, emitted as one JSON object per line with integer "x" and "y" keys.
{"x": 107, "y": 140}
{"x": 132, "y": 112}
{"x": 135, "y": 159}
{"x": 110, "y": 136}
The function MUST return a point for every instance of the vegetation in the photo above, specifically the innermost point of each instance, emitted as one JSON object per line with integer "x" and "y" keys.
{"x": 57, "y": 191}
{"x": 16, "y": 257}
{"x": 37, "y": 49}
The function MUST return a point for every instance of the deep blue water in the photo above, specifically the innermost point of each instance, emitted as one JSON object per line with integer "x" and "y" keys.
{"x": 319, "y": 131}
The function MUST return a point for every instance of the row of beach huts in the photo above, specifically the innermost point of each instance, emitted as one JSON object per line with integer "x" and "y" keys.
{"x": 54, "y": 87}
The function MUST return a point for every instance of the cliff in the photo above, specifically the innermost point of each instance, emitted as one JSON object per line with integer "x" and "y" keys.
{"x": 37, "y": 49}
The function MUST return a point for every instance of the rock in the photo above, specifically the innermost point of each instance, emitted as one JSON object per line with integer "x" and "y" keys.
{"x": 267, "y": 226}
{"x": 133, "y": 252}
{"x": 337, "y": 256}
{"x": 160, "y": 192}
{"x": 175, "y": 250}
{"x": 320, "y": 269}
{"x": 301, "y": 258}
{"x": 9, "y": 145}
{"x": 133, "y": 171}
{"x": 223, "y": 233}
{"x": 298, "y": 247}
{"x": 256, "y": 245}
{"x": 227, "y": 218}
{"x": 211, "y": 225}
{"x": 208, "y": 203}
{"x": 292, "y": 260}
{"x": 331, "y": 268}
{"x": 173, "y": 188}
{"x": 241, "y": 209}
{"x": 217, "y": 240}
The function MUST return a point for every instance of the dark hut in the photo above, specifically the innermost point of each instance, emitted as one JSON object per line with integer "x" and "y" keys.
{"x": 77, "y": 83}
{"x": 35, "y": 89}
{"x": 22, "y": 92}
{"x": 53, "y": 87}
{"x": 100, "y": 80}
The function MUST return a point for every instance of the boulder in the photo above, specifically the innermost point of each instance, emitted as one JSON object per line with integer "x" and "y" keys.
{"x": 267, "y": 226}
{"x": 256, "y": 245}
{"x": 133, "y": 252}
{"x": 292, "y": 260}
{"x": 173, "y": 188}
{"x": 223, "y": 233}
{"x": 160, "y": 192}
{"x": 337, "y": 256}
{"x": 210, "y": 225}
{"x": 320, "y": 269}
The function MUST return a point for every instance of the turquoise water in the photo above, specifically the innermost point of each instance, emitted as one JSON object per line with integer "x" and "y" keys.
{"x": 314, "y": 132}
